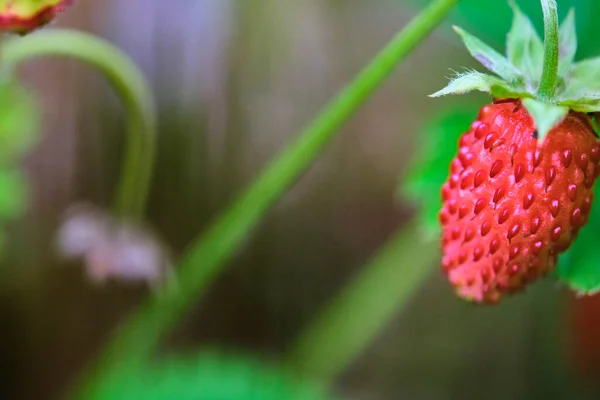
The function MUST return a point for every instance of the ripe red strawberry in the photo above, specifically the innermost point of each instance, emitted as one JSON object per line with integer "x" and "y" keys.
{"x": 520, "y": 187}
{"x": 510, "y": 206}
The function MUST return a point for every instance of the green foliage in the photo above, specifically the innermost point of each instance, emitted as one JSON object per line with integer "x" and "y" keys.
{"x": 13, "y": 194}
{"x": 19, "y": 123}
{"x": 19, "y": 128}
{"x": 430, "y": 167}
{"x": 579, "y": 267}
{"x": 546, "y": 115}
{"x": 209, "y": 375}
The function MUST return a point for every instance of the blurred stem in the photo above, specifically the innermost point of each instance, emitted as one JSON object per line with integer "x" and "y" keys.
{"x": 353, "y": 319}
{"x": 207, "y": 255}
{"x": 550, "y": 69}
{"x": 132, "y": 88}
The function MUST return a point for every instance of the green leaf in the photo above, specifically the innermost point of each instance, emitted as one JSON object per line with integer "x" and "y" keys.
{"x": 489, "y": 57}
{"x": 473, "y": 80}
{"x": 430, "y": 167}
{"x": 545, "y": 116}
{"x": 13, "y": 194}
{"x": 567, "y": 43}
{"x": 524, "y": 46}
{"x": 19, "y": 123}
{"x": 208, "y": 376}
{"x": 579, "y": 267}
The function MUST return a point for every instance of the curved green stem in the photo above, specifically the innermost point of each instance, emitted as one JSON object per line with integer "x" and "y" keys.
{"x": 549, "y": 78}
{"x": 358, "y": 313}
{"x": 209, "y": 253}
{"x": 131, "y": 86}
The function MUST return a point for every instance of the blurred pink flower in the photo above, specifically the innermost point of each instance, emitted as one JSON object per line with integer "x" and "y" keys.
{"x": 111, "y": 248}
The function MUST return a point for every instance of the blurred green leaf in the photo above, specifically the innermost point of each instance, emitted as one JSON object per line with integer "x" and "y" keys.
{"x": 13, "y": 194}
{"x": 3, "y": 242}
{"x": 431, "y": 165}
{"x": 19, "y": 123}
{"x": 579, "y": 267}
{"x": 209, "y": 376}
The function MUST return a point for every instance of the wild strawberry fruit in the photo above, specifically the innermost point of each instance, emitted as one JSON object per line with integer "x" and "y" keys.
{"x": 520, "y": 187}
{"x": 23, "y": 16}
{"x": 511, "y": 204}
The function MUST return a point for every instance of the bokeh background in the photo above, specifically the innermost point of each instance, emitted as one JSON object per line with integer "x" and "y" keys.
{"x": 235, "y": 80}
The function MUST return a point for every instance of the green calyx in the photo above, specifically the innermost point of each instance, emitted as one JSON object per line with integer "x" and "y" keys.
{"x": 544, "y": 75}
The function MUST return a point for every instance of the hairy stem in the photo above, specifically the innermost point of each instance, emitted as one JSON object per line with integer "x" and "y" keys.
{"x": 209, "y": 253}
{"x": 131, "y": 87}
{"x": 549, "y": 78}
{"x": 358, "y": 313}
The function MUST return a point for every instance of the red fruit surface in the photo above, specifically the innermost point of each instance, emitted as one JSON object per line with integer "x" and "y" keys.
{"x": 511, "y": 206}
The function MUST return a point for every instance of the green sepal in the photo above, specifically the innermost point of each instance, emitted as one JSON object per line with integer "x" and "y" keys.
{"x": 579, "y": 267}
{"x": 489, "y": 57}
{"x": 584, "y": 80}
{"x": 428, "y": 170}
{"x": 545, "y": 116}
{"x": 583, "y": 104}
{"x": 473, "y": 80}
{"x": 504, "y": 91}
{"x": 519, "y": 74}
{"x": 524, "y": 47}
{"x": 567, "y": 47}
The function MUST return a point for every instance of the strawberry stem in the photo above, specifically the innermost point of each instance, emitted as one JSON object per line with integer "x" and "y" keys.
{"x": 131, "y": 86}
{"x": 550, "y": 69}
{"x": 345, "y": 327}
{"x": 210, "y": 252}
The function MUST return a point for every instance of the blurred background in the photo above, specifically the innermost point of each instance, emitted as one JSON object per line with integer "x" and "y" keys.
{"x": 235, "y": 80}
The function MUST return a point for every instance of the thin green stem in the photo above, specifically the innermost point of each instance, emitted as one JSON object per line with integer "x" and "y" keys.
{"x": 549, "y": 78}
{"x": 131, "y": 87}
{"x": 358, "y": 313}
{"x": 209, "y": 253}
